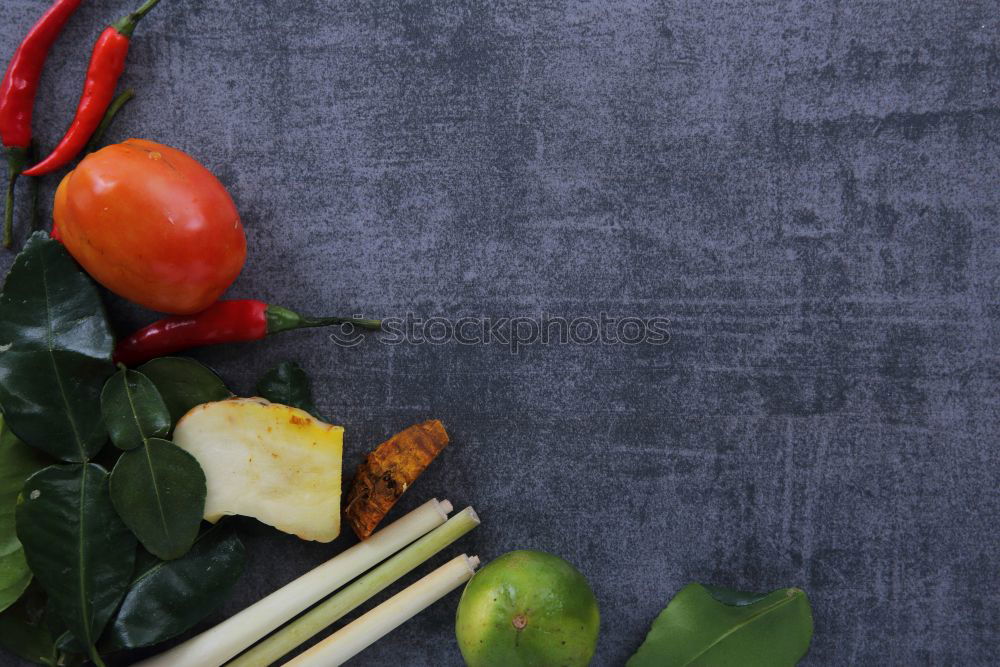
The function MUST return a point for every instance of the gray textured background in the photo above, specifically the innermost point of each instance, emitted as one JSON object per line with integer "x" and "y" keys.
{"x": 808, "y": 190}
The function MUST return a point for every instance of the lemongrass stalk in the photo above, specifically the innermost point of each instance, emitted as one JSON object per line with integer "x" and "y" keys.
{"x": 215, "y": 646}
{"x": 326, "y": 613}
{"x": 355, "y": 637}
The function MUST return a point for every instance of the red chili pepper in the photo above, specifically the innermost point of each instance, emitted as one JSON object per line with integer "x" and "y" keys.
{"x": 107, "y": 63}
{"x": 17, "y": 94}
{"x": 225, "y": 322}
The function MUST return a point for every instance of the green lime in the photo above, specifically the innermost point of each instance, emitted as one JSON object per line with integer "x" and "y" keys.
{"x": 527, "y": 609}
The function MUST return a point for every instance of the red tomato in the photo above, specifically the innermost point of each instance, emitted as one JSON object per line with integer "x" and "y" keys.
{"x": 152, "y": 225}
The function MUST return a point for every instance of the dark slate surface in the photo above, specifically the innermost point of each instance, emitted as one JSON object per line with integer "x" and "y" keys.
{"x": 808, "y": 190}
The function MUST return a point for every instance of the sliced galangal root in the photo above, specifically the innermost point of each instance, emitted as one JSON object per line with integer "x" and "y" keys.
{"x": 272, "y": 462}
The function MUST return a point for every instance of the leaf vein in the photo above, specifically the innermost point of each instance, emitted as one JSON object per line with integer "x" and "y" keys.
{"x": 156, "y": 490}
{"x": 742, "y": 624}
{"x": 49, "y": 347}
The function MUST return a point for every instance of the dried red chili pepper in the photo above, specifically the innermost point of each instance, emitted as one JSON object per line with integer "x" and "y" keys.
{"x": 17, "y": 95}
{"x": 107, "y": 63}
{"x": 225, "y": 322}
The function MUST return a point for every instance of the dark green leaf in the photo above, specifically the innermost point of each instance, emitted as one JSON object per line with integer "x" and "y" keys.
{"x": 66, "y": 641}
{"x": 79, "y": 550}
{"x": 71, "y": 651}
{"x": 184, "y": 383}
{"x": 24, "y": 629}
{"x": 167, "y": 598}
{"x": 697, "y": 629}
{"x": 55, "y": 352}
{"x": 133, "y": 410}
{"x": 159, "y": 492}
{"x": 57, "y": 629}
{"x": 288, "y": 384}
{"x": 17, "y": 463}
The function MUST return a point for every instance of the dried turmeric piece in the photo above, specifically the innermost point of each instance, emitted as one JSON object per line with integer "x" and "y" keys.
{"x": 389, "y": 471}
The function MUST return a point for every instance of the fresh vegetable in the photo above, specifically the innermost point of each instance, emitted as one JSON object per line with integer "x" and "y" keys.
{"x": 389, "y": 471}
{"x": 224, "y": 322}
{"x": 17, "y": 463}
{"x": 184, "y": 383}
{"x": 17, "y": 96}
{"x": 95, "y": 141}
{"x": 159, "y": 491}
{"x": 347, "y": 642}
{"x": 168, "y": 598}
{"x": 527, "y": 608}
{"x": 158, "y": 488}
{"x": 133, "y": 410}
{"x": 272, "y": 462}
{"x": 109, "y": 116}
{"x": 151, "y": 224}
{"x": 107, "y": 63}
{"x": 288, "y": 384}
{"x": 214, "y": 647}
{"x": 708, "y": 626}
{"x": 77, "y": 547}
{"x": 328, "y": 612}
{"x": 25, "y": 630}
{"x": 55, "y": 353}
